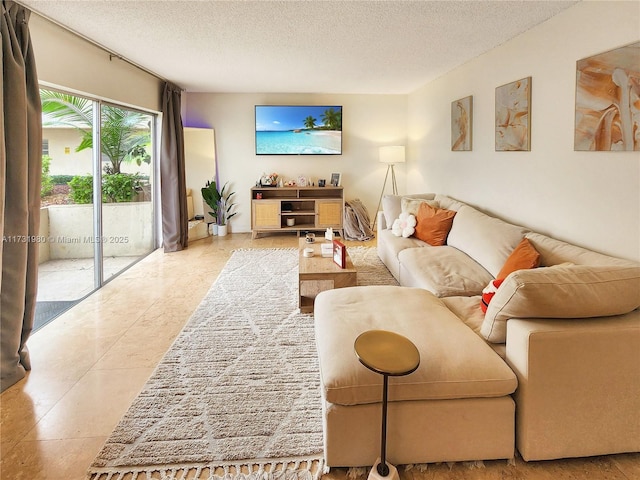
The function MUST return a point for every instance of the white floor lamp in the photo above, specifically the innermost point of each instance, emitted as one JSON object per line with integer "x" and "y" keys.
{"x": 389, "y": 155}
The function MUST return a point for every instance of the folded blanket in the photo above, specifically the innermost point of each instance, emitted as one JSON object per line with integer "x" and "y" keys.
{"x": 356, "y": 221}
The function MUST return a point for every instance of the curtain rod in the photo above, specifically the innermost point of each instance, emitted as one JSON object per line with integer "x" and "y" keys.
{"x": 112, "y": 54}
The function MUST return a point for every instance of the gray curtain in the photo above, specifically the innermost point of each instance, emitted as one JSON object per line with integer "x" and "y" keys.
{"x": 175, "y": 220}
{"x": 20, "y": 172}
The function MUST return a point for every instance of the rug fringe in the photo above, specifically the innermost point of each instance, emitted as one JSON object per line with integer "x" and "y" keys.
{"x": 287, "y": 469}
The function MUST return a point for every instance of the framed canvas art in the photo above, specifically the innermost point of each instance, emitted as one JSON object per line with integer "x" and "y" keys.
{"x": 513, "y": 116}
{"x": 461, "y": 124}
{"x": 606, "y": 89}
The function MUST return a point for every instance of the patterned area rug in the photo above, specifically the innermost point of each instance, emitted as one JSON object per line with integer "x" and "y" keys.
{"x": 237, "y": 395}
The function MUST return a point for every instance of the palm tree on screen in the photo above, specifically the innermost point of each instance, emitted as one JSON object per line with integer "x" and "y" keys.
{"x": 332, "y": 119}
{"x": 310, "y": 122}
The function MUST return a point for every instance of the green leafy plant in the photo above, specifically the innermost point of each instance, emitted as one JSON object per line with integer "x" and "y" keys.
{"x": 47, "y": 181}
{"x": 220, "y": 202}
{"x": 116, "y": 188}
{"x": 61, "y": 179}
{"x": 120, "y": 187}
{"x": 211, "y": 197}
{"x": 226, "y": 205}
{"x": 81, "y": 191}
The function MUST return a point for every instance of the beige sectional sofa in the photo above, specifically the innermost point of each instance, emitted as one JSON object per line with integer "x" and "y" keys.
{"x": 552, "y": 369}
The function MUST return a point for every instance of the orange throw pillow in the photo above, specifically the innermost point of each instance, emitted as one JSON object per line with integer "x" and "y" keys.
{"x": 433, "y": 224}
{"x": 523, "y": 257}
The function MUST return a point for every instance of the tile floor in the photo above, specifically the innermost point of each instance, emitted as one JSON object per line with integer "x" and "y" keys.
{"x": 91, "y": 362}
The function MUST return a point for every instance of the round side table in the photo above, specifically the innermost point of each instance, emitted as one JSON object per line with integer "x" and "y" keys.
{"x": 388, "y": 354}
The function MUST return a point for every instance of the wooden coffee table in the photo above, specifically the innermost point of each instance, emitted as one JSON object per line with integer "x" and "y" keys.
{"x": 318, "y": 273}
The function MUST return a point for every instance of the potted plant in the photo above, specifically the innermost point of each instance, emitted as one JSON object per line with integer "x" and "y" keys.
{"x": 211, "y": 197}
{"x": 225, "y": 209}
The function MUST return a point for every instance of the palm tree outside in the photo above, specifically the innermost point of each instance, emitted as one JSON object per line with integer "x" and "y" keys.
{"x": 124, "y": 133}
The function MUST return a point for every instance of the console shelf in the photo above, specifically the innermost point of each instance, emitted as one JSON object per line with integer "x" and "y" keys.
{"x": 309, "y": 208}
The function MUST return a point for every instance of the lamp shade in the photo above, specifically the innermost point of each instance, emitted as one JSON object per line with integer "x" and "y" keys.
{"x": 392, "y": 154}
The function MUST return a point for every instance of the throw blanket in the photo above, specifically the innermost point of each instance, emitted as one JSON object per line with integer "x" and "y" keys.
{"x": 356, "y": 221}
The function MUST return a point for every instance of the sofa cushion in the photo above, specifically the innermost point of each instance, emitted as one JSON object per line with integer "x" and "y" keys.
{"x": 577, "y": 291}
{"x": 488, "y": 240}
{"x": 553, "y": 252}
{"x": 392, "y": 205}
{"x": 466, "y": 309}
{"x": 447, "y": 202}
{"x": 433, "y": 224}
{"x": 523, "y": 257}
{"x": 444, "y": 271}
{"x": 412, "y": 204}
{"x": 404, "y": 226}
{"x": 454, "y": 361}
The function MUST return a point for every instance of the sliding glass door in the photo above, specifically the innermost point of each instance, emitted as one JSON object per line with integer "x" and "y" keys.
{"x": 97, "y": 197}
{"x": 127, "y": 187}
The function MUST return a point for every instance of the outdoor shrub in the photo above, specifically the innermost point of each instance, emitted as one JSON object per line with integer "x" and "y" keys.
{"x": 61, "y": 179}
{"x": 120, "y": 187}
{"x": 116, "y": 188}
{"x": 81, "y": 189}
{"x": 47, "y": 182}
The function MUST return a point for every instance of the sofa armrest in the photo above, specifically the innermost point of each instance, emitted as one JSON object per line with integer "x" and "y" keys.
{"x": 578, "y": 385}
{"x": 381, "y": 222}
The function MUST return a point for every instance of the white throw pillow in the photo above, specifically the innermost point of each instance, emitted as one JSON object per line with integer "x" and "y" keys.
{"x": 404, "y": 226}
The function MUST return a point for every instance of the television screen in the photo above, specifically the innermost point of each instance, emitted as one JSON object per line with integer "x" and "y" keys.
{"x": 298, "y": 130}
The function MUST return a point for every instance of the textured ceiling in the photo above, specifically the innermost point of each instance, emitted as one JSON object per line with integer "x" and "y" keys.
{"x": 299, "y": 46}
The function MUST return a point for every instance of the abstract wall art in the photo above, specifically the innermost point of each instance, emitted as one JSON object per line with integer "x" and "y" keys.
{"x": 608, "y": 101}
{"x": 461, "y": 124}
{"x": 513, "y": 116}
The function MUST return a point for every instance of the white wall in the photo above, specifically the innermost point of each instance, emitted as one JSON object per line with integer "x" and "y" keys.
{"x": 368, "y": 122}
{"x": 587, "y": 198}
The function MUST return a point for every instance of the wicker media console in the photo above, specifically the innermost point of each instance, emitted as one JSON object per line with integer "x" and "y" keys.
{"x": 296, "y": 209}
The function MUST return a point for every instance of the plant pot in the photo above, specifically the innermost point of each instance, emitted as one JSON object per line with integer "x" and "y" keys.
{"x": 222, "y": 230}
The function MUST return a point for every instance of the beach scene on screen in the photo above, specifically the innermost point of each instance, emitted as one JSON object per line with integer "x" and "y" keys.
{"x": 298, "y": 130}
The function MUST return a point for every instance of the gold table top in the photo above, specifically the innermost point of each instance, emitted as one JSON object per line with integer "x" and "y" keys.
{"x": 387, "y": 352}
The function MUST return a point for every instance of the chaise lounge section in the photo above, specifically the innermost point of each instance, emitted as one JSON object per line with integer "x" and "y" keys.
{"x": 552, "y": 369}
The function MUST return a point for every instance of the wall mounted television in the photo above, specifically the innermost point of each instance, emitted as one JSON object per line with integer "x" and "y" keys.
{"x": 298, "y": 130}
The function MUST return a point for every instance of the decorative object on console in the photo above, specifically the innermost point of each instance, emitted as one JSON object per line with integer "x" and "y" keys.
{"x": 322, "y": 182}
{"x": 513, "y": 116}
{"x": 390, "y": 155}
{"x": 462, "y": 124}
{"x": 270, "y": 180}
{"x": 302, "y": 181}
{"x": 404, "y": 226}
{"x": 339, "y": 253}
{"x": 336, "y": 179}
{"x": 604, "y": 120}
